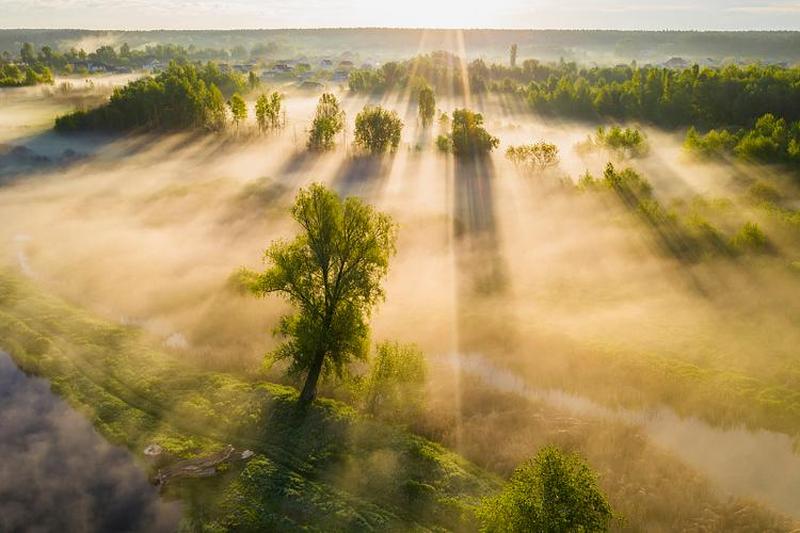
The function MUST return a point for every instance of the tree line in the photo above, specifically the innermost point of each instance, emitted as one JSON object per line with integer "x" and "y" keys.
{"x": 184, "y": 96}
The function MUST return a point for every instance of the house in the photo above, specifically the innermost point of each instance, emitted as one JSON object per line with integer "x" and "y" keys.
{"x": 326, "y": 63}
{"x": 346, "y": 64}
{"x": 340, "y": 75}
{"x": 282, "y": 67}
{"x": 309, "y": 85}
{"x": 676, "y": 62}
{"x": 244, "y": 68}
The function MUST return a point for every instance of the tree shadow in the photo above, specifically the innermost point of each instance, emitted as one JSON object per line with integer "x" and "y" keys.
{"x": 475, "y": 226}
{"x": 49, "y": 152}
{"x": 363, "y": 175}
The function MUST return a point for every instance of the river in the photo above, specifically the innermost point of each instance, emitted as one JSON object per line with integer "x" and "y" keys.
{"x": 58, "y": 474}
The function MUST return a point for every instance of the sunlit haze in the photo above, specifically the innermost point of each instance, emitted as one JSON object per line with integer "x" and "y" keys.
{"x": 540, "y": 14}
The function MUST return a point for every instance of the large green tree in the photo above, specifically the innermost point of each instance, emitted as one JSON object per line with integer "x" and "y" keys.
{"x": 553, "y": 493}
{"x": 331, "y": 273}
{"x": 378, "y": 130}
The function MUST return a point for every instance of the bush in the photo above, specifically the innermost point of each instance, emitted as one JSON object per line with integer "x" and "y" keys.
{"x": 553, "y": 493}
{"x": 378, "y": 130}
{"x": 628, "y": 142}
{"x": 536, "y": 157}
{"x": 750, "y": 239}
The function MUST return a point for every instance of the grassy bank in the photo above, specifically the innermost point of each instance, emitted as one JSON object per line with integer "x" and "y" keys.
{"x": 330, "y": 469}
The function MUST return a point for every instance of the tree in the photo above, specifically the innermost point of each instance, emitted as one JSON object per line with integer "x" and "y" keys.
{"x": 427, "y": 105}
{"x": 553, "y": 493}
{"x": 378, "y": 130}
{"x": 513, "y": 54}
{"x": 395, "y": 386}
{"x": 328, "y": 122}
{"x": 331, "y": 272}
{"x": 268, "y": 111}
{"x": 252, "y": 80}
{"x": 537, "y": 157}
{"x": 468, "y": 136}
{"x": 28, "y": 54}
{"x": 238, "y": 108}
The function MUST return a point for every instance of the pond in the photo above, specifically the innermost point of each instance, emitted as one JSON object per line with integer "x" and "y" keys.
{"x": 58, "y": 474}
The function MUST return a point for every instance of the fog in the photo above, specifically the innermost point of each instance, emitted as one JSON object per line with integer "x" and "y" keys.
{"x": 557, "y": 288}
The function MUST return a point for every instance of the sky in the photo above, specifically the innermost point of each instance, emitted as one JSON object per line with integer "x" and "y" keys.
{"x": 538, "y": 14}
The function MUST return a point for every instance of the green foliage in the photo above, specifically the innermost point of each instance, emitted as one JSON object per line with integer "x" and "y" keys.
{"x": 182, "y": 97}
{"x": 328, "y": 470}
{"x": 771, "y": 140}
{"x": 535, "y": 157}
{"x": 268, "y": 111}
{"x": 468, "y": 136}
{"x": 328, "y": 122}
{"x": 628, "y": 142}
{"x": 378, "y": 130}
{"x": 714, "y": 144}
{"x": 750, "y": 238}
{"x": 553, "y": 493}
{"x": 711, "y": 97}
{"x": 444, "y": 144}
{"x": 238, "y": 109}
{"x": 395, "y": 386}
{"x": 11, "y": 75}
{"x": 426, "y": 101}
{"x": 331, "y": 273}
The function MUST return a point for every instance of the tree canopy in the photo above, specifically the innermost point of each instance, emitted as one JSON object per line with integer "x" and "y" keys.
{"x": 268, "y": 111}
{"x": 328, "y": 122}
{"x": 553, "y": 493}
{"x": 331, "y": 273}
{"x": 426, "y": 100}
{"x": 181, "y": 97}
{"x": 378, "y": 130}
{"x": 468, "y": 136}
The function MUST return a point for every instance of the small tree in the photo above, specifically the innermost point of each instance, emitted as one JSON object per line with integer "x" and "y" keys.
{"x": 427, "y": 105}
{"x": 378, "y": 130}
{"x": 468, "y": 136}
{"x": 252, "y": 80}
{"x": 395, "y": 386}
{"x": 238, "y": 109}
{"x": 513, "y": 54}
{"x": 331, "y": 272}
{"x": 536, "y": 157}
{"x": 268, "y": 111}
{"x": 553, "y": 493}
{"x": 328, "y": 122}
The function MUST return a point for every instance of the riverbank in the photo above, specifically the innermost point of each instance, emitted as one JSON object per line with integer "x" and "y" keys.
{"x": 330, "y": 469}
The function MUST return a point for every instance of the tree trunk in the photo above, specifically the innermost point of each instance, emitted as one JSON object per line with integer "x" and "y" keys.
{"x": 309, "y": 392}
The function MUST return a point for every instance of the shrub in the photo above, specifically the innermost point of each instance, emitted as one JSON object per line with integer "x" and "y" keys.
{"x": 628, "y": 142}
{"x": 553, "y": 493}
{"x": 536, "y": 157}
{"x": 750, "y": 238}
